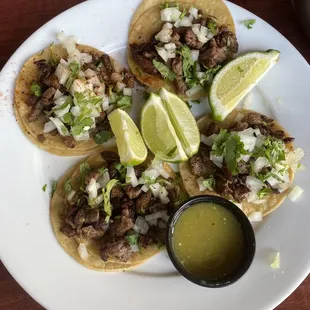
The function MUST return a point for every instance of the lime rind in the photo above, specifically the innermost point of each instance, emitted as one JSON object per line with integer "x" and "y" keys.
{"x": 218, "y": 110}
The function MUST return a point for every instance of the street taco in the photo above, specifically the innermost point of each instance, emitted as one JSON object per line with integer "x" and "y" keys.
{"x": 181, "y": 45}
{"x": 63, "y": 96}
{"x": 248, "y": 158}
{"x": 109, "y": 217}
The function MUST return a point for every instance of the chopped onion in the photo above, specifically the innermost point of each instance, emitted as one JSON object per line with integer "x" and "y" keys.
{"x": 151, "y": 173}
{"x": 97, "y": 201}
{"x": 193, "y": 91}
{"x": 161, "y": 224}
{"x": 202, "y": 187}
{"x": 94, "y": 81}
{"x": 217, "y": 160}
{"x": 245, "y": 158}
{"x": 198, "y": 68}
{"x": 120, "y": 86}
{"x": 81, "y": 74}
{"x": 105, "y": 103}
{"x": 164, "y": 35}
{"x": 82, "y": 250}
{"x": 62, "y": 72}
{"x": 170, "y": 14}
{"x": 83, "y": 136}
{"x": 163, "y": 195}
{"x": 153, "y": 223}
{"x": 58, "y": 94}
{"x": 260, "y": 163}
{"x": 194, "y": 55}
{"x": 71, "y": 195}
{"x": 145, "y": 188}
{"x": 100, "y": 90}
{"x": 62, "y": 129}
{"x": 155, "y": 189}
{"x": 78, "y": 86}
{"x": 127, "y": 91}
{"x": 200, "y": 75}
{"x": 162, "y": 52}
{"x": 295, "y": 193}
{"x": 153, "y": 216}
{"x": 89, "y": 73}
{"x": 134, "y": 248}
{"x": 131, "y": 176}
{"x": 158, "y": 165}
{"x": 141, "y": 225}
{"x": 91, "y": 189}
{"x": 75, "y": 56}
{"x": 76, "y": 111}
{"x": 86, "y": 58}
{"x": 254, "y": 185}
{"x": 255, "y": 216}
{"x": 186, "y": 21}
{"x": 104, "y": 179}
{"x": 294, "y": 157}
{"x": 248, "y": 139}
{"x": 272, "y": 181}
{"x": 170, "y": 46}
{"x": 167, "y": 25}
{"x": 259, "y": 140}
{"x": 194, "y": 12}
{"x": 208, "y": 140}
{"x": 165, "y": 216}
{"x": 63, "y": 111}
{"x": 48, "y": 127}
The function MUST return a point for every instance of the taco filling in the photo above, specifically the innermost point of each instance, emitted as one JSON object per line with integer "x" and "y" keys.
{"x": 246, "y": 162}
{"x": 76, "y": 93}
{"x": 189, "y": 49}
{"x": 122, "y": 209}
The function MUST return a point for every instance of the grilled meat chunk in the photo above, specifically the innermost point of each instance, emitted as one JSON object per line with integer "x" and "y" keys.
{"x": 143, "y": 202}
{"x": 133, "y": 192}
{"x": 107, "y": 68}
{"x": 191, "y": 39}
{"x": 177, "y": 68}
{"x": 92, "y": 216}
{"x": 68, "y": 230}
{"x": 69, "y": 141}
{"x": 226, "y": 38}
{"x": 32, "y": 100}
{"x": 240, "y": 192}
{"x": 49, "y": 93}
{"x": 196, "y": 165}
{"x": 90, "y": 232}
{"x": 36, "y": 111}
{"x": 117, "y": 247}
{"x": 117, "y": 192}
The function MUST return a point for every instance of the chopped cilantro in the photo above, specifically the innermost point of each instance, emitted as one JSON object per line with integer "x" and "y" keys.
{"x": 65, "y": 130}
{"x": 75, "y": 68}
{"x": 67, "y": 102}
{"x": 68, "y": 186}
{"x": 102, "y": 136}
{"x": 183, "y": 13}
{"x": 102, "y": 170}
{"x": 209, "y": 183}
{"x": 84, "y": 170}
{"x": 54, "y": 187}
{"x": 249, "y": 23}
{"x": 188, "y": 62}
{"x": 54, "y": 60}
{"x": 68, "y": 118}
{"x": 106, "y": 198}
{"x": 212, "y": 26}
{"x": 132, "y": 239}
{"x": 172, "y": 151}
{"x": 164, "y": 70}
{"x": 36, "y": 89}
{"x": 168, "y": 5}
{"x": 124, "y": 102}
{"x": 44, "y": 187}
{"x": 265, "y": 191}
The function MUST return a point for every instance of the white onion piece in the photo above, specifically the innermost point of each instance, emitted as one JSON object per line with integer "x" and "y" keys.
{"x": 202, "y": 187}
{"x": 62, "y": 112}
{"x": 145, "y": 188}
{"x": 100, "y": 90}
{"x": 82, "y": 250}
{"x": 170, "y": 14}
{"x": 155, "y": 189}
{"x": 200, "y": 75}
{"x": 194, "y": 12}
{"x": 58, "y": 94}
{"x": 49, "y": 126}
{"x": 83, "y": 136}
{"x": 62, "y": 72}
{"x": 120, "y": 86}
{"x": 158, "y": 166}
{"x": 104, "y": 179}
{"x": 162, "y": 52}
{"x": 165, "y": 216}
{"x": 248, "y": 139}
{"x": 194, "y": 55}
{"x": 89, "y": 73}
{"x": 153, "y": 216}
{"x": 255, "y": 216}
{"x": 186, "y": 21}
{"x": 208, "y": 140}
{"x": 91, "y": 189}
{"x": 76, "y": 111}
{"x": 105, "y": 103}
{"x": 134, "y": 248}
{"x": 217, "y": 160}
{"x": 86, "y": 58}
{"x": 136, "y": 228}
{"x": 78, "y": 86}
{"x": 63, "y": 131}
{"x": 198, "y": 68}
{"x": 152, "y": 173}
{"x": 295, "y": 193}
{"x": 254, "y": 185}
{"x": 141, "y": 225}
{"x": 127, "y": 91}
{"x": 170, "y": 47}
{"x": 161, "y": 224}
{"x": 153, "y": 223}
{"x": 131, "y": 176}
{"x": 164, "y": 35}
{"x": 193, "y": 91}
{"x": 94, "y": 81}
{"x": 71, "y": 195}
{"x": 61, "y": 36}
{"x": 294, "y": 157}
{"x": 204, "y": 31}
{"x": 260, "y": 163}
{"x": 167, "y": 25}
{"x": 163, "y": 195}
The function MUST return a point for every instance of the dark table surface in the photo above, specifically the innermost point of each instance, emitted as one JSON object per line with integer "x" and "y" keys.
{"x": 20, "y": 18}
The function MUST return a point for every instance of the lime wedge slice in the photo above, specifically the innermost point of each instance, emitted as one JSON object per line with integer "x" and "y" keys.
{"x": 183, "y": 121}
{"x": 130, "y": 145}
{"x": 236, "y": 79}
{"x": 158, "y": 132}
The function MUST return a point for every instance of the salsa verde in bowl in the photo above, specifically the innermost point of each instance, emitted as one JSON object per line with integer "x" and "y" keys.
{"x": 210, "y": 241}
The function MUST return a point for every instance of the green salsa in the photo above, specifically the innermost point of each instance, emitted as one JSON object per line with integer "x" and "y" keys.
{"x": 208, "y": 241}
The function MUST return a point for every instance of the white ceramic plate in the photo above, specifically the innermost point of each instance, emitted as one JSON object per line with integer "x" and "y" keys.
{"x": 28, "y": 247}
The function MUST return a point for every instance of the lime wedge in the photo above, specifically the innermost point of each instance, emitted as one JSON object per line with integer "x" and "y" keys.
{"x": 183, "y": 121}
{"x": 158, "y": 132}
{"x": 131, "y": 148}
{"x": 236, "y": 79}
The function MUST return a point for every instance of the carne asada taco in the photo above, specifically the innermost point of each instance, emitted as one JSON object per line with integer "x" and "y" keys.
{"x": 63, "y": 96}
{"x": 248, "y": 158}
{"x": 181, "y": 45}
{"x": 109, "y": 217}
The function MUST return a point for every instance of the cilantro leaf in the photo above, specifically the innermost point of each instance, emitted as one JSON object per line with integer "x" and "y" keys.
{"x": 54, "y": 60}
{"x": 84, "y": 170}
{"x": 106, "y": 198}
{"x": 124, "y": 102}
{"x": 102, "y": 170}
{"x": 265, "y": 191}
{"x": 209, "y": 183}
{"x": 132, "y": 239}
{"x": 164, "y": 70}
{"x": 36, "y": 89}
{"x": 249, "y": 23}
{"x": 68, "y": 186}
{"x": 219, "y": 145}
{"x": 44, "y": 187}
{"x": 67, "y": 102}
{"x": 102, "y": 136}
{"x": 212, "y": 26}
{"x": 75, "y": 68}
{"x": 54, "y": 187}
{"x": 188, "y": 62}
{"x": 68, "y": 118}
